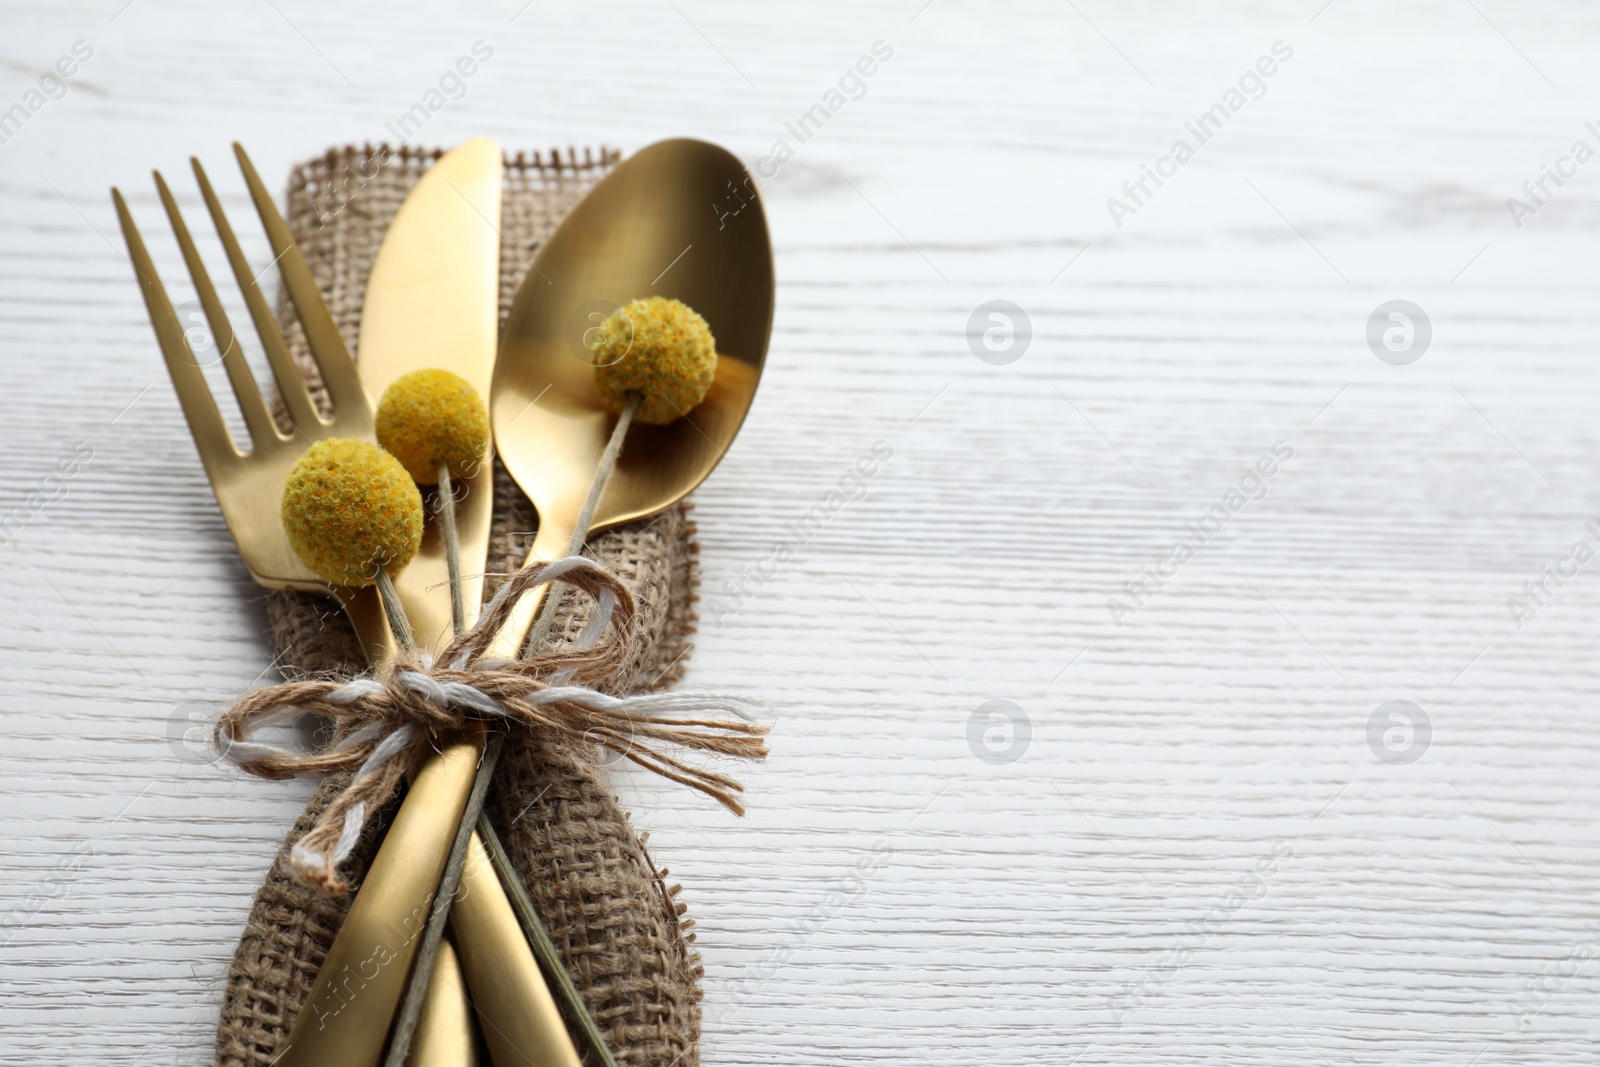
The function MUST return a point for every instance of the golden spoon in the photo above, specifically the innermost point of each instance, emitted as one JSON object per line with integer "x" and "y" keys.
{"x": 679, "y": 219}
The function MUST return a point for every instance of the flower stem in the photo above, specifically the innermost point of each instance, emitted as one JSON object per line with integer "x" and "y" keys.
{"x": 452, "y": 549}
{"x": 580, "y": 532}
{"x": 396, "y": 611}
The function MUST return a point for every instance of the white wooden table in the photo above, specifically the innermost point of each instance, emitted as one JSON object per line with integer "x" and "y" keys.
{"x": 1202, "y": 838}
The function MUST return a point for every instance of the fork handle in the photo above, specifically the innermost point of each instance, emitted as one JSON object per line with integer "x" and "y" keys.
{"x": 368, "y": 620}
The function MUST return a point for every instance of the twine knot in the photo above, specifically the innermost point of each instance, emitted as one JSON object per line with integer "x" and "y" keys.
{"x": 387, "y": 725}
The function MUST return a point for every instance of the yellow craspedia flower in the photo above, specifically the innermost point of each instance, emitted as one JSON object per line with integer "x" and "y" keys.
{"x": 660, "y": 348}
{"x": 429, "y": 417}
{"x": 349, "y": 508}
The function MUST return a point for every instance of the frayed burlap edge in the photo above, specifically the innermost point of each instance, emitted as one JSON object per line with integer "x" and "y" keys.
{"x": 618, "y": 926}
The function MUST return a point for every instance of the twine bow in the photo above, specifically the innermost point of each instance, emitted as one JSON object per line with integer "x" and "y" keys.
{"x": 387, "y": 726}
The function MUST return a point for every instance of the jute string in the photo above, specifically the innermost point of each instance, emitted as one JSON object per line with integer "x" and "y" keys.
{"x": 387, "y": 726}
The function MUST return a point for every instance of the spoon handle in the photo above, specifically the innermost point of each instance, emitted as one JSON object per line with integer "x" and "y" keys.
{"x": 521, "y": 1021}
{"x": 549, "y": 543}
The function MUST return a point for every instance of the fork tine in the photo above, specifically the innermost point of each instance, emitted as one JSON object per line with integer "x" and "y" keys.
{"x": 291, "y": 384}
{"x": 210, "y": 434}
{"x": 257, "y": 419}
{"x": 327, "y": 345}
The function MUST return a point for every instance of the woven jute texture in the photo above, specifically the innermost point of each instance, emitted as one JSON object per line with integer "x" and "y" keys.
{"x": 618, "y": 926}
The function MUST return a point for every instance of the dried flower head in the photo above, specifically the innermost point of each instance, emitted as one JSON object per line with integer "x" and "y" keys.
{"x": 432, "y": 417}
{"x": 350, "y": 508}
{"x": 659, "y": 348}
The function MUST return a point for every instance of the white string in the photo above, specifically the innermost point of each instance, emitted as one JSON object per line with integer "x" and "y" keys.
{"x": 386, "y": 750}
{"x": 305, "y": 860}
{"x": 350, "y": 833}
{"x": 605, "y": 604}
{"x": 355, "y": 689}
{"x": 360, "y": 736}
{"x": 448, "y": 694}
{"x": 246, "y": 749}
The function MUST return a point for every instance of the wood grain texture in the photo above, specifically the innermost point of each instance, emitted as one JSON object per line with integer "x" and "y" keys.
{"x": 1198, "y": 858}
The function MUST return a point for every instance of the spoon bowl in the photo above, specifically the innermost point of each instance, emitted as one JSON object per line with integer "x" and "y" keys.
{"x": 680, "y": 219}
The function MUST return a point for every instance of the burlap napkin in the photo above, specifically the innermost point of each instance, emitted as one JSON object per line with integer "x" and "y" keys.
{"x": 614, "y": 920}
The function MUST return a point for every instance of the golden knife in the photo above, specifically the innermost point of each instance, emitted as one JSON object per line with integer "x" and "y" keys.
{"x": 432, "y": 300}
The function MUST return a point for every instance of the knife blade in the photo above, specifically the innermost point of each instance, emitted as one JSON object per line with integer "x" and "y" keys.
{"x": 433, "y": 301}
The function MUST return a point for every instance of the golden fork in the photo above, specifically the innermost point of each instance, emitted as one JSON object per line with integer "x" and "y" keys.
{"x": 248, "y": 487}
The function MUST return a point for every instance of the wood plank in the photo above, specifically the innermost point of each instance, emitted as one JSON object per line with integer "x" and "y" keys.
{"x": 892, "y": 898}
